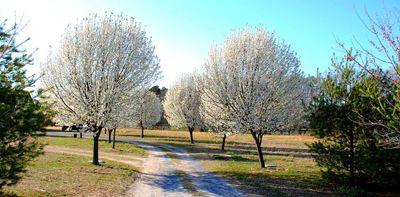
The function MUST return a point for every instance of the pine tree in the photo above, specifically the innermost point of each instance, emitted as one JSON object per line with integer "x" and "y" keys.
{"x": 349, "y": 148}
{"x": 21, "y": 114}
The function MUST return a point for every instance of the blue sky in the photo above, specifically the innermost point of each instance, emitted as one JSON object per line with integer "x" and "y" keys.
{"x": 183, "y": 30}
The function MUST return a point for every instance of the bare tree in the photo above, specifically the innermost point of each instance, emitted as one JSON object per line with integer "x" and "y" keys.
{"x": 254, "y": 79}
{"x": 100, "y": 62}
{"x": 182, "y": 104}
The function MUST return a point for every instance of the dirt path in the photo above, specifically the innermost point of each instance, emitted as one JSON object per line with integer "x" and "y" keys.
{"x": 204, "y": 183}
{"x": 130, "y": 160}
{"x": 160, "y": 176}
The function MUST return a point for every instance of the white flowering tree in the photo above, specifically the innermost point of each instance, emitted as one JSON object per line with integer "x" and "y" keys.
{"x": 253, "y": 79}
{"x": 216, "y": 117}
{"x": 295, "y": 113}
{"x": 101, "y": 61}
{"x": 147, "y": 110}
{"x": 182, "y": 104}
{"x": 118, "y": 119}
{"x": 217, "y": 121}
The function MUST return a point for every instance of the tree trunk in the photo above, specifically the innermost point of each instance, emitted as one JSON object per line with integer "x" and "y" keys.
{"x": 223, "y": 142}
{"x": 352, "y": 183}
{"x": 191, "y": 129}
{"x": 259, "y": 149}
{"x": 115, "y": 130}
{"x": 260, "y": 155}
{"x": 96, "y": 137}
{"x": 80, "y": 134}
{"x": 141, "y": 126}
{"x": 109, "y": 135}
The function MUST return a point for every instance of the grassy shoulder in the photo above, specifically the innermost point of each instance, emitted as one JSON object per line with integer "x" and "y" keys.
{"x": 54, "y": 174}
{"x": 296, "y": 172}
{"x": 57, "y": 174}
{"x": 86, "y": 143}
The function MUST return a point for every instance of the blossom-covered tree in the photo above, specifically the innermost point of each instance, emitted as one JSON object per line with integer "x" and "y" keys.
{"x": 216, "y": 118}
{"x": 295, "y": 113}
{"x": 182, "y": 104}
{"x": 101, "y": 61}
{"x": 217, "y": 121}
{"x": 254, "y": 79}
{"x": 147, "y": 110}
{"x": 116, "y": 120}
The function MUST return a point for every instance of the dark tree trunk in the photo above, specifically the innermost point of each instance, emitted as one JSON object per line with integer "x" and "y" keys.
{"x": 352, "y": 183}
{"x": 223, "y": 142}
{"x": 115, "y": 130}
{"x": 141, "y": 126}
{"x": 191, "y": 129}
{"x": 96, "y": 137}
{"x": 80, "y": 134}
{"x": 258, "y": 140}
{"x": 109, "y": 135}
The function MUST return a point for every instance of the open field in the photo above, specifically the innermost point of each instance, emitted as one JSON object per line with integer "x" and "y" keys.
{"x": 296, "y": 172}
{"x": 59, "y": 174}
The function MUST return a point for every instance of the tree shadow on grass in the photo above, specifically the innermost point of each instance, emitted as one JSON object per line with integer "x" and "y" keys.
{"x": 236, "y": 147}
{"x": 150, "y": 136}
{"x": 238, "y": 150}
{"x": 231, "y": 158}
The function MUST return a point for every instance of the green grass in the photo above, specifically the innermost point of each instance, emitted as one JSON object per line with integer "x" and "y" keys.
{"x": 54, "y": 174}
{"x": 85, "y": 143}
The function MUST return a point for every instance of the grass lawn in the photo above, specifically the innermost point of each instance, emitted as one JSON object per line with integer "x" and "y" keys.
{"x": 54, "y": 174}
{"x": 296, "y": 172}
